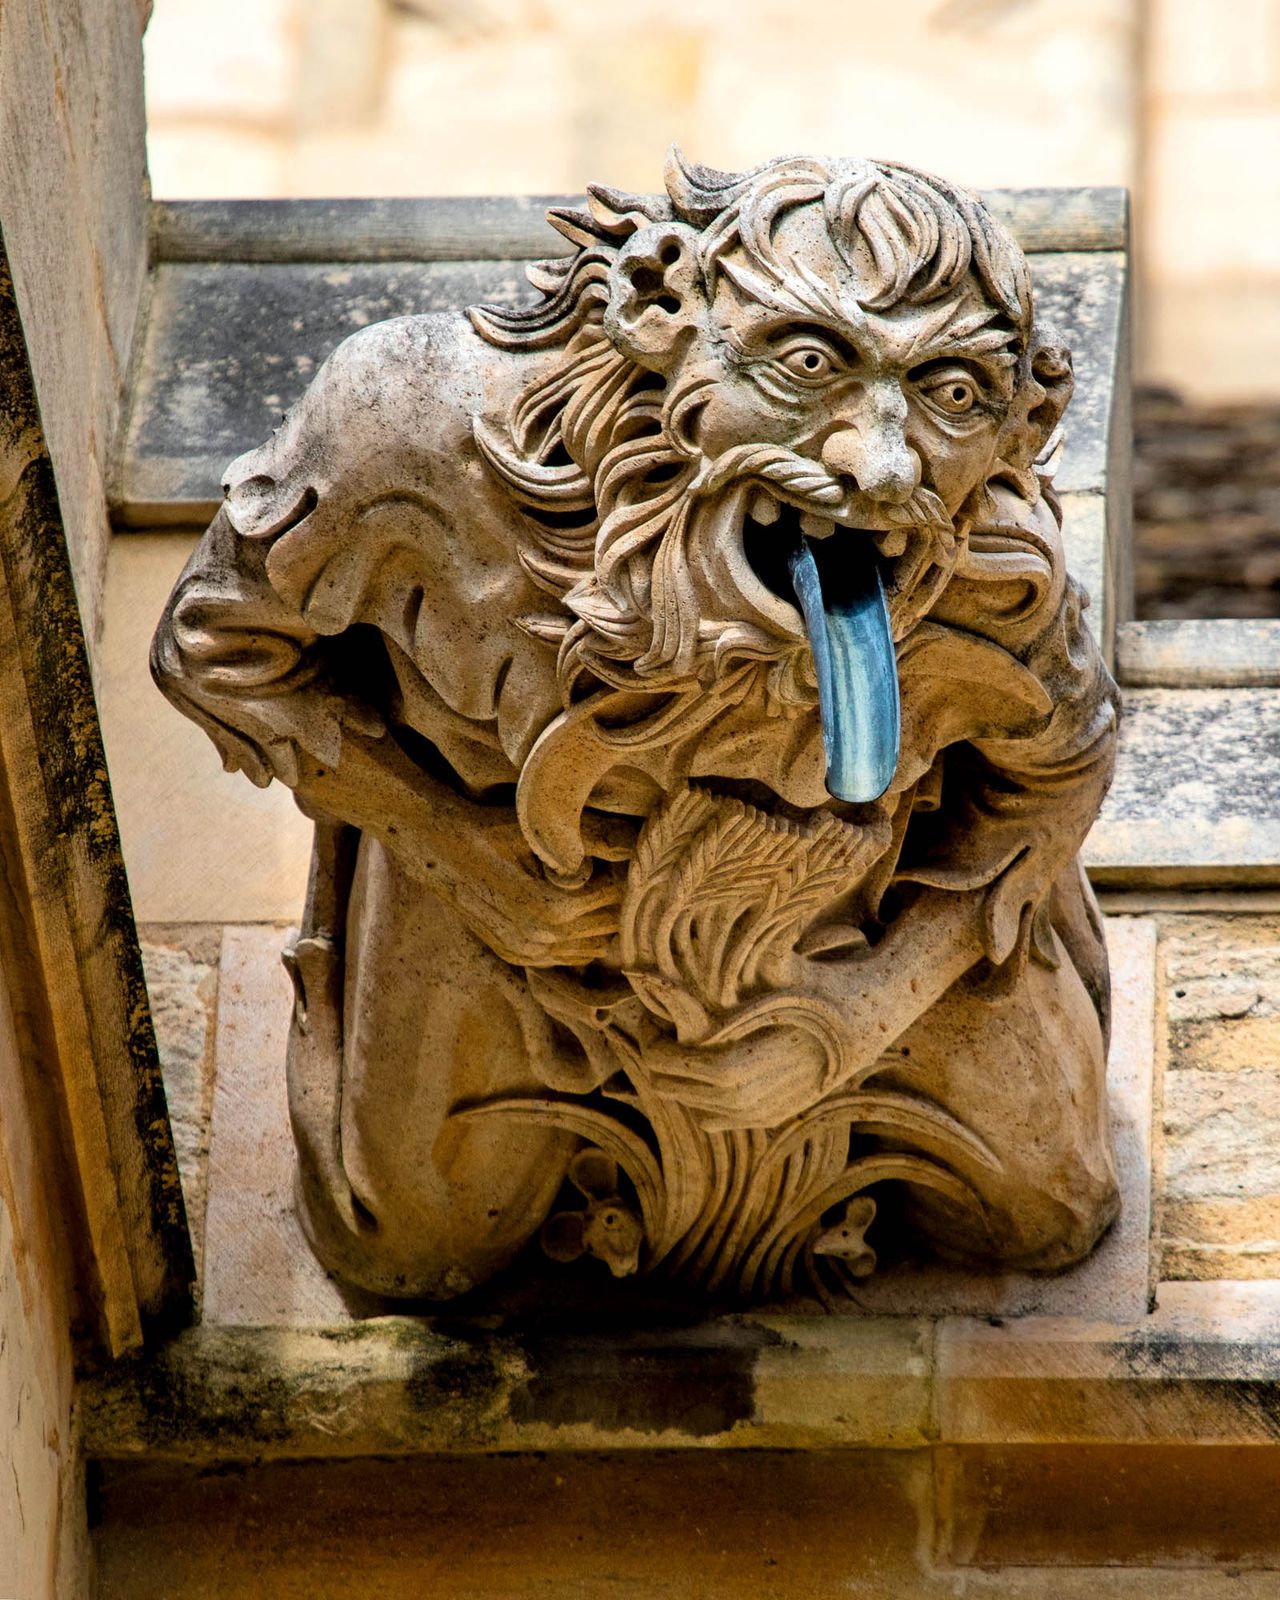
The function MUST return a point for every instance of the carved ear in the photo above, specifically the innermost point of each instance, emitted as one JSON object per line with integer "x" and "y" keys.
{"x": 562, "y": 1236}
{"x": 656, "y": 295}
{"x": 1051, "y": 372}
{"x": 595, "y": 1174}
{"x": 1034, "y": 415}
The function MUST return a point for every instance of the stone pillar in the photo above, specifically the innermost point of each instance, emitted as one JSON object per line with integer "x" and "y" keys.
{"x": 73, "y": 204}
{"x": 92, "y": 1237}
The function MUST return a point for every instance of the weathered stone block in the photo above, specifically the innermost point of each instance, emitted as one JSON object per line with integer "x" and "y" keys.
{"x": 1084, "y": 535}
{"x": 230, "y": 346}
{"x": 1204, "y": 1368}
{"x": 716, "y": 1525}
{"x": 1193, "y": 800}
{"x": 1109, "y": 1506}
{"x": 73, "y": 201}
{"x": 32, "y": 1410}
{"x": 1223, "y": 977}
{"x": 1222, "y": 1133}
{"x": 181, "y": 965}
{"x": 1200, "y": 653}
{"x": 1221, "y": 1210}
{"x": 1235, "y": 1238}
{"x": 258, "y": 1267}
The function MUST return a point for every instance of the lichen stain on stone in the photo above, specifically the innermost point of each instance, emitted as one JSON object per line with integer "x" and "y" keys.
{"x": 195, "y": 1406}
{"x": 651, "y": 1386}
{"x": 1217, "y": 1374}
{"x": 462, "y": 1388}
{"x": 74, "y": 782}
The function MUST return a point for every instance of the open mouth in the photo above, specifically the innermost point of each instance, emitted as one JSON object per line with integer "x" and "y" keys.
{"x": 834, "y": 576}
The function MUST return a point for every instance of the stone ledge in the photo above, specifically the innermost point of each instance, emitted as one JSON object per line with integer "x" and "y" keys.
{"x": 1203, "y": 1369}
{"x": 513, "y": 227}
{"x": 400, "y": 1385}
{"x": 718, "y": 1525}
{"x": 1200, "y": 653}
{"x": 1193, "y": 801}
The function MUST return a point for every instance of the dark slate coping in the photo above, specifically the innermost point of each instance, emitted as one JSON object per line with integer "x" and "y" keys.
{"x": 513, "y": 228}
{"x": 231, "y": 344}
{"x": 1194, "y": 798}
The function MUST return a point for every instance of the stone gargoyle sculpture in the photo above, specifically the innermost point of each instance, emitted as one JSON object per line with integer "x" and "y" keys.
{"x": 700, "y": 730}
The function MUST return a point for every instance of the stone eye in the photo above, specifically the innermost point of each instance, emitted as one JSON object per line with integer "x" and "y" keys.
{"x": 955, "y": 393}
{"x": 809, "y": 362}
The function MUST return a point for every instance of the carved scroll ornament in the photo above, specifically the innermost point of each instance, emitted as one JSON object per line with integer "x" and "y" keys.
{"x": 700, "y": 728}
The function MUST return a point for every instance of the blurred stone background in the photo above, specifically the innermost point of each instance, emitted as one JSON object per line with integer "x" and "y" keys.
{"x": 1179, "y": 100}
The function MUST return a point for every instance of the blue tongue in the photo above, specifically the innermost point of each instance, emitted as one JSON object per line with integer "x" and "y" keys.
{"x": 846, "y": 617}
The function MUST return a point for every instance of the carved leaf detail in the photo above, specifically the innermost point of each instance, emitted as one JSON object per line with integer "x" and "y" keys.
{"x": 719, "y": 893}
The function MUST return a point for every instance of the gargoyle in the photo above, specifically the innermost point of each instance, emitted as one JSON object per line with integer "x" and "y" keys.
{"x": 700, "y": 729}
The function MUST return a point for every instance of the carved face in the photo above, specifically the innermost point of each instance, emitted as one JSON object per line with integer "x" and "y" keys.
{"x": 783, "y": 425}
{"x": 892, "y": 418}
{"x": 885, "y": 403}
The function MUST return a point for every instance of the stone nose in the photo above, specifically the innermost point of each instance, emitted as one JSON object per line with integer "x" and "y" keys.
{"x": 871, "y": 447}
{"x": 881, "y": 462}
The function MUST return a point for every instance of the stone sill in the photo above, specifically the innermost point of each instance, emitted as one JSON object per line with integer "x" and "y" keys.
{"x": 512, "y": 227}
{"x": 1203, "y": 1369}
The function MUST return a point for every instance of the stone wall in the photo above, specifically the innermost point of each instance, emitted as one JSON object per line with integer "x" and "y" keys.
{"x": 1206, "y": 506}
{"x": 1221, "y": 1097}
{"x": 1209, "y": 198}
{"x": 73, "y": 215}
{"x": 43, "y": 1536}
{"x": 73, "y": 206}
{"x": 362, "y": 97}
{"x": 646, "y": 1525}
{"x": 1178, "y": 99}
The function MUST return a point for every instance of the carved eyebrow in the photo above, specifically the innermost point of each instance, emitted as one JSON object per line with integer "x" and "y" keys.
{"x": 789, "y": 297}
{"x": 991, "y": 371}
{"x": 834, "y": 338}
{"x": 984, "y": 333}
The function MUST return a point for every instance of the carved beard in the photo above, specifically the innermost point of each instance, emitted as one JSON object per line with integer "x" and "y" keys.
{"x": 682, "y": 571}
{"x": 694, "y": 576}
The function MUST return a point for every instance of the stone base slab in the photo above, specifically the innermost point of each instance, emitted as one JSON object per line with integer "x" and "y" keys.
{"x": 1048, "y": 1458}
{"x": 1202, "y": 1369}
{"x": 259, "y": 1270}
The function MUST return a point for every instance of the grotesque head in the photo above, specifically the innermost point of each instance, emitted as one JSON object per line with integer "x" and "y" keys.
{"x": 783, "y": 397}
